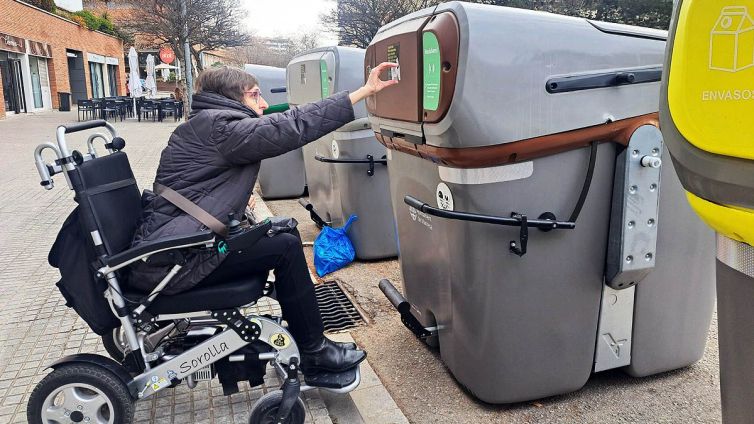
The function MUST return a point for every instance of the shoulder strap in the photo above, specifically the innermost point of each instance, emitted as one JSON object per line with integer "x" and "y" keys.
{"x": 191, "y": 208}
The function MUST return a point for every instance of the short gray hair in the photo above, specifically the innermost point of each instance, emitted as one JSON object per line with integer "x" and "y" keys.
{"x": 225, "y": 81}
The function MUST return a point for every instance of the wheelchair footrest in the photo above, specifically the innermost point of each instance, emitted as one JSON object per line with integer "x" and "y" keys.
{"x": 330, "y": 380}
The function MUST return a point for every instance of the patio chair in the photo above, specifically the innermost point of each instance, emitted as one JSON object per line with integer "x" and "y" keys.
{"x": 87, "y": 108}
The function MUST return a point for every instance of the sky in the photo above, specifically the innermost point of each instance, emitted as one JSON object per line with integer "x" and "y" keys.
{"x": 269, "y": 18}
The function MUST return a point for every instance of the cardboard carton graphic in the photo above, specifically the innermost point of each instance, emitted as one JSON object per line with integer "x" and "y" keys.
{"x": 732, "y": 40}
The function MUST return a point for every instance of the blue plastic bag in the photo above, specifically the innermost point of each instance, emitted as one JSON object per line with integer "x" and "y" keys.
{"x": 333, "y": 249}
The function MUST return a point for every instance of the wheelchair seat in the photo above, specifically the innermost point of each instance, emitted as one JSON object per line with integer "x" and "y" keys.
{"x": 231, "y": 294}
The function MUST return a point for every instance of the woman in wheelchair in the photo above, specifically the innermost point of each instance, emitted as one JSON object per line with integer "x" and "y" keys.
{"x": 213, "y": 160}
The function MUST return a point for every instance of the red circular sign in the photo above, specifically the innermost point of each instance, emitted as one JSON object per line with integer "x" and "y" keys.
{"x": 167, "y": 55}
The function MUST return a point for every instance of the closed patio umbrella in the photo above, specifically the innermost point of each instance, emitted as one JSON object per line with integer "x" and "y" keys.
{"x": 150, "y": 85}
{"x": 134, "y": 81}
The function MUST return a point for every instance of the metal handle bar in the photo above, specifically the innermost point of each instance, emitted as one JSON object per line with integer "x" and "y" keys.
{"x": 90, "y": 144}
{"x": 313, "y": 213}
{"x": 278, "y": 90}
{"x": 542, "y": 224}
{"x": 46, "y": 171}
{"x": 67, "y": 129}
{"x": 608, "y": 79}
{"x": 83, "y": 126}
{"x": 404, "y": 308}
{"x": 370, "y": 160}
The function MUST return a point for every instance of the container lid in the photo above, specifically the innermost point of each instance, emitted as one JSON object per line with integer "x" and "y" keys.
{"x": 630, "y": 31}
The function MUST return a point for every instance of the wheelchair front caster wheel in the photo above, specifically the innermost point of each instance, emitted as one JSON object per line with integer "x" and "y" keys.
{"x": 80, "y": 393}
{"x": 265, "y": 410}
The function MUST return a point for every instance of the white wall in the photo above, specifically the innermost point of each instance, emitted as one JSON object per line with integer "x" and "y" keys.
{"x": 70, "y": 5}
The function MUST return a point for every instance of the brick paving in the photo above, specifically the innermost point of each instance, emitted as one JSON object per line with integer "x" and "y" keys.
{"x": 36, "y": 327}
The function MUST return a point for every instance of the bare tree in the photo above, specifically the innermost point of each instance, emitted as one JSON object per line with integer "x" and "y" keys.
{"x": 212, "y": 24}
{"x": 647, "y": 13}
{"x": 357, "y": 21}
{"x": 276, "y": 51}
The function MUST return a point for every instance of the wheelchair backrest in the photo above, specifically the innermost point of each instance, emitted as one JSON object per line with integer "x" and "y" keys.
{"x": 110, "y": 200}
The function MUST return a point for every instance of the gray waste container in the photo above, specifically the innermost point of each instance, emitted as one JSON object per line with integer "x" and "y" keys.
{"x": 345, "y": 170}
{"x": 282, "y": 176}
{"x": 546, "y": 236}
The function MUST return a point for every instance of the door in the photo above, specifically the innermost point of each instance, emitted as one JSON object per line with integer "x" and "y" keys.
{"x": 76, "y": 76}
{"x": 36, "y": 82}
{"x": 17, "y": 85}
{"x": 112, "y": 72}
{"x": 9, "y": 96}
{"x": 95, "y": 72}
{"x": 44, "y": 78}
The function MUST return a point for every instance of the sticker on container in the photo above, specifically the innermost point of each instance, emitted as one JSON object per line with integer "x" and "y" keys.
{"x": 393, "y": 54}
{"x": 280, "y": 341}
{"x": 432, "y": 69}
{"x": 444, "y": 197}
{"x": 325, "y": 80}
{"x": 335, "y": 150}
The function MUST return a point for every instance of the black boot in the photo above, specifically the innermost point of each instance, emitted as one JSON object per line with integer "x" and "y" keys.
{"x": 346, "y": 345}
{"x": 325, "y": 355}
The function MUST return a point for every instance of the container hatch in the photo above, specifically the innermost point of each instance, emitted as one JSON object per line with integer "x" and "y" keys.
{"x": 311, "y": 77}
{"x": 426, "y": 50}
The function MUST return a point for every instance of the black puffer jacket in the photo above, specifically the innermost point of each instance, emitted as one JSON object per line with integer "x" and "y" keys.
{"x": 213, "y": 160}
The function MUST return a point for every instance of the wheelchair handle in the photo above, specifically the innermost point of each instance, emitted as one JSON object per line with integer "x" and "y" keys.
{"x": 83, "y": 126}
{"x": 46, "y": 171}
{"x": 90, "y": 144}
{"x": 67, "y": 129}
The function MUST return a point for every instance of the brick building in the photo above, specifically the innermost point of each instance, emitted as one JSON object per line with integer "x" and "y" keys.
{"x": 43, "y": 54}
{"x": 120, "y": 12}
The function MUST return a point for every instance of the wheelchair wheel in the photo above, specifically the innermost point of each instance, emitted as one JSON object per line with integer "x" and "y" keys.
{"x": 265, "y": 410}
{"x": 115, "y": 344}
{"x": 80, "y": 392}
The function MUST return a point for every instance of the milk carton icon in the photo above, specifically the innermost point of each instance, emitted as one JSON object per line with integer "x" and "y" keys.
{"x": 732, "y": 40}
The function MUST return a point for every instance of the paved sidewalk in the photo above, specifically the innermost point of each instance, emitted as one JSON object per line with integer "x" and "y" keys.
{"x": 36, "y": 327}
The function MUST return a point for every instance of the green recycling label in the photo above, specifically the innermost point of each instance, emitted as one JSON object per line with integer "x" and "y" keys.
{"x": 325, "y": 80}
{"x": 431, "y": 54}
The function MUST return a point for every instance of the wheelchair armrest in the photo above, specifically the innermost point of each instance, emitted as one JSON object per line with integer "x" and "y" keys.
{"x": 150, "y": 248}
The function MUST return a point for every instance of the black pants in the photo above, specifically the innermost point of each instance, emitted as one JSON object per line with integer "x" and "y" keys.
{"x": 284, "y": 254}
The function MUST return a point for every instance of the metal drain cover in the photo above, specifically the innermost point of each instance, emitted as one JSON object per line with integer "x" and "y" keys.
{"x": 338, "y": 312}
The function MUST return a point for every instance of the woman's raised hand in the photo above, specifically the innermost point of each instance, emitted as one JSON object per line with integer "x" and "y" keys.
{"x": 374, "y": 84}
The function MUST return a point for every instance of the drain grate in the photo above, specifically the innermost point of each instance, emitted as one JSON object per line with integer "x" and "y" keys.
{"x": 338, "y": 312}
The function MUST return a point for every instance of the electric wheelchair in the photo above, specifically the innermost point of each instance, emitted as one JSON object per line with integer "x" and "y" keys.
{"x": 157, "y": 341}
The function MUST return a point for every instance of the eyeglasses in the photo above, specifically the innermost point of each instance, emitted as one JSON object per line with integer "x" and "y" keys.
{"x": 253, "y": 93}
